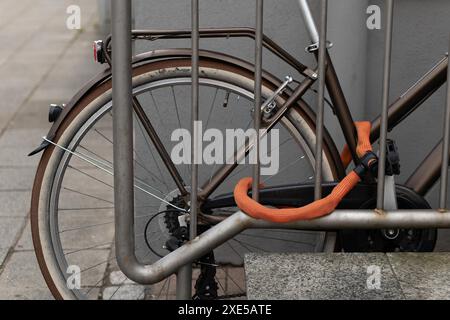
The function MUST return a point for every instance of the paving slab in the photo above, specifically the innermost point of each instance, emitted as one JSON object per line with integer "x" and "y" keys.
{"x": 92, "y": 264}
{"x": 340, "y": 276}
{"x": 3, "y": 253}
{"x": 117, "y": 278}
{"x": 412, "y": 276}
{"x": 22, "y": 293}
{"x": 13, "y": 98}
{"x": 44, "y": 63}
{"x": 17, "y": 157}
{"x": 33, "y": 120}
{"x": 23, "y": 137}
{"x": 25, "y": 242}
{"x": 5, "y": 117}
{"x": 14, "y": 203}
{"x": 16, "y": 179}
{"x": 80, "y": 230}
{"x": 443, "y": 241}
{"x": 21, "y": 273}
{"x": 126, "y": 292}
{"x": 9, "y": 231}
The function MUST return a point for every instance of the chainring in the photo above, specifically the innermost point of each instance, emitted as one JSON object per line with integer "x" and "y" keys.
{"x": 397, "y": 240}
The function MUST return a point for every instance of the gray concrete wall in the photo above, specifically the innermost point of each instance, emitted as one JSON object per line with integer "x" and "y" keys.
{"x": 420, "y": 39}
{"x": 104, "y": 12}
{"x": 282, "y": 22}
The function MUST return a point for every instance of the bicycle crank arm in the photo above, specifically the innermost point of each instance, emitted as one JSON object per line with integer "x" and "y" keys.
{"x": 239, "y": 221}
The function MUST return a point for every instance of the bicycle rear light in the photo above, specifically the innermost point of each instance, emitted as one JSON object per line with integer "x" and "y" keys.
{"x": 54, "y": 112}
{"x": 98, "y": 52}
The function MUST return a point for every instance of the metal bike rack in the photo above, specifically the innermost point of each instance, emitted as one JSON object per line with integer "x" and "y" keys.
{"x": 445, "y": 148}
{"x": 327, "y": 240}
{"x": 320, "y": 100}
{"x": 258, "y": 99}
{"x": 123, "y": 134}
{"x": 385, "y": 104}
{"x": 180, "y": 260}
{"x": 184, "y": 276}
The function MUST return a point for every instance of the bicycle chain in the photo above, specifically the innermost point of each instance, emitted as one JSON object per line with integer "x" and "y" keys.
{"x": 206, "y": 286}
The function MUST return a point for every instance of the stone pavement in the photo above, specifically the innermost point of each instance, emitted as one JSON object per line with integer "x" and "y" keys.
{"x": 344, "y": 276}
{"x": 41, "y": 62}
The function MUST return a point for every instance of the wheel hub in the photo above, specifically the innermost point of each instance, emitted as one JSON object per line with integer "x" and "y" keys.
{"x": 391, "y": 234}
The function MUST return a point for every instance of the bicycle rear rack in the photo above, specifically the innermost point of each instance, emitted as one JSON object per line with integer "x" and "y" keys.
{"x": 180, "y": 260}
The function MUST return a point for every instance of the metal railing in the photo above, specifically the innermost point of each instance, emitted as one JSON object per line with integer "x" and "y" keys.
{"x": 180, "y": 260}
{"x": 445, "y": 148}
{"x": 385, "y": 104}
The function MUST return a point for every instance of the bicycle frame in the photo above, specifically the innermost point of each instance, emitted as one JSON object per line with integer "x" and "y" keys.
{"x": 239, "y": 221}
{"x": 423, "y": 178}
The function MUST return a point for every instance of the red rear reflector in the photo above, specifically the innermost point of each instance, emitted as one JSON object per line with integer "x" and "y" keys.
{"x": 95, "y": 52}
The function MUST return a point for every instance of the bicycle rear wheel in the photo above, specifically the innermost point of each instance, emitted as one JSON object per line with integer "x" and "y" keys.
{"x": 72, "y": 203}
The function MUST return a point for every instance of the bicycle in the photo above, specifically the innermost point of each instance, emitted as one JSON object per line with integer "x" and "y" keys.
{"x": 72, "y": 200}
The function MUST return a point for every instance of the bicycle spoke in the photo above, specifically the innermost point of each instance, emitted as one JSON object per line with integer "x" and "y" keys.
{"x": 168, "y": 288}
{"x": 151, "y": 154}
{"x": 236, "y": 284}
{"x": 103, "y": 136}
{"x": 89, "y": 248}
{"x": 278, "y": 147}
{"x": 91, "y": 176}
{"x": 160, "y": 148}
{"x": 86, "y": 158}
{"x": 139, "y": 163}
{"x": 285, "y": 168}
{"x": 220, "y": 285}
{"x": 211, "y": 109}
{"x": 88, "y": 195}
{"x": 142, "y": 295}
{"x": 176, "y": 106}
{"x": 214, "y": 166}
{"x": 102, "y": 160}
{"x": 118, "y": 287}
{"x": 86, "y": 227}
{"x": 247, "y": 245}
{"x": 106, "y": 273}
{"x": 162, "y": 288}
{"x": 178, "y": 115}
{"x": 291, "y": 231}
{"x": 234, "y": 249}
{"x": 86, "y": 209}
{"x": 273, "y": 238}
{"x": 157, "y": 109}
{"x": 95, "y": 266}
{"x": 101, "y": 208}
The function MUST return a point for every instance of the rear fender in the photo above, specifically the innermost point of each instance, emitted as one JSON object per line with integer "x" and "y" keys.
{"x": 148, "y": 57}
